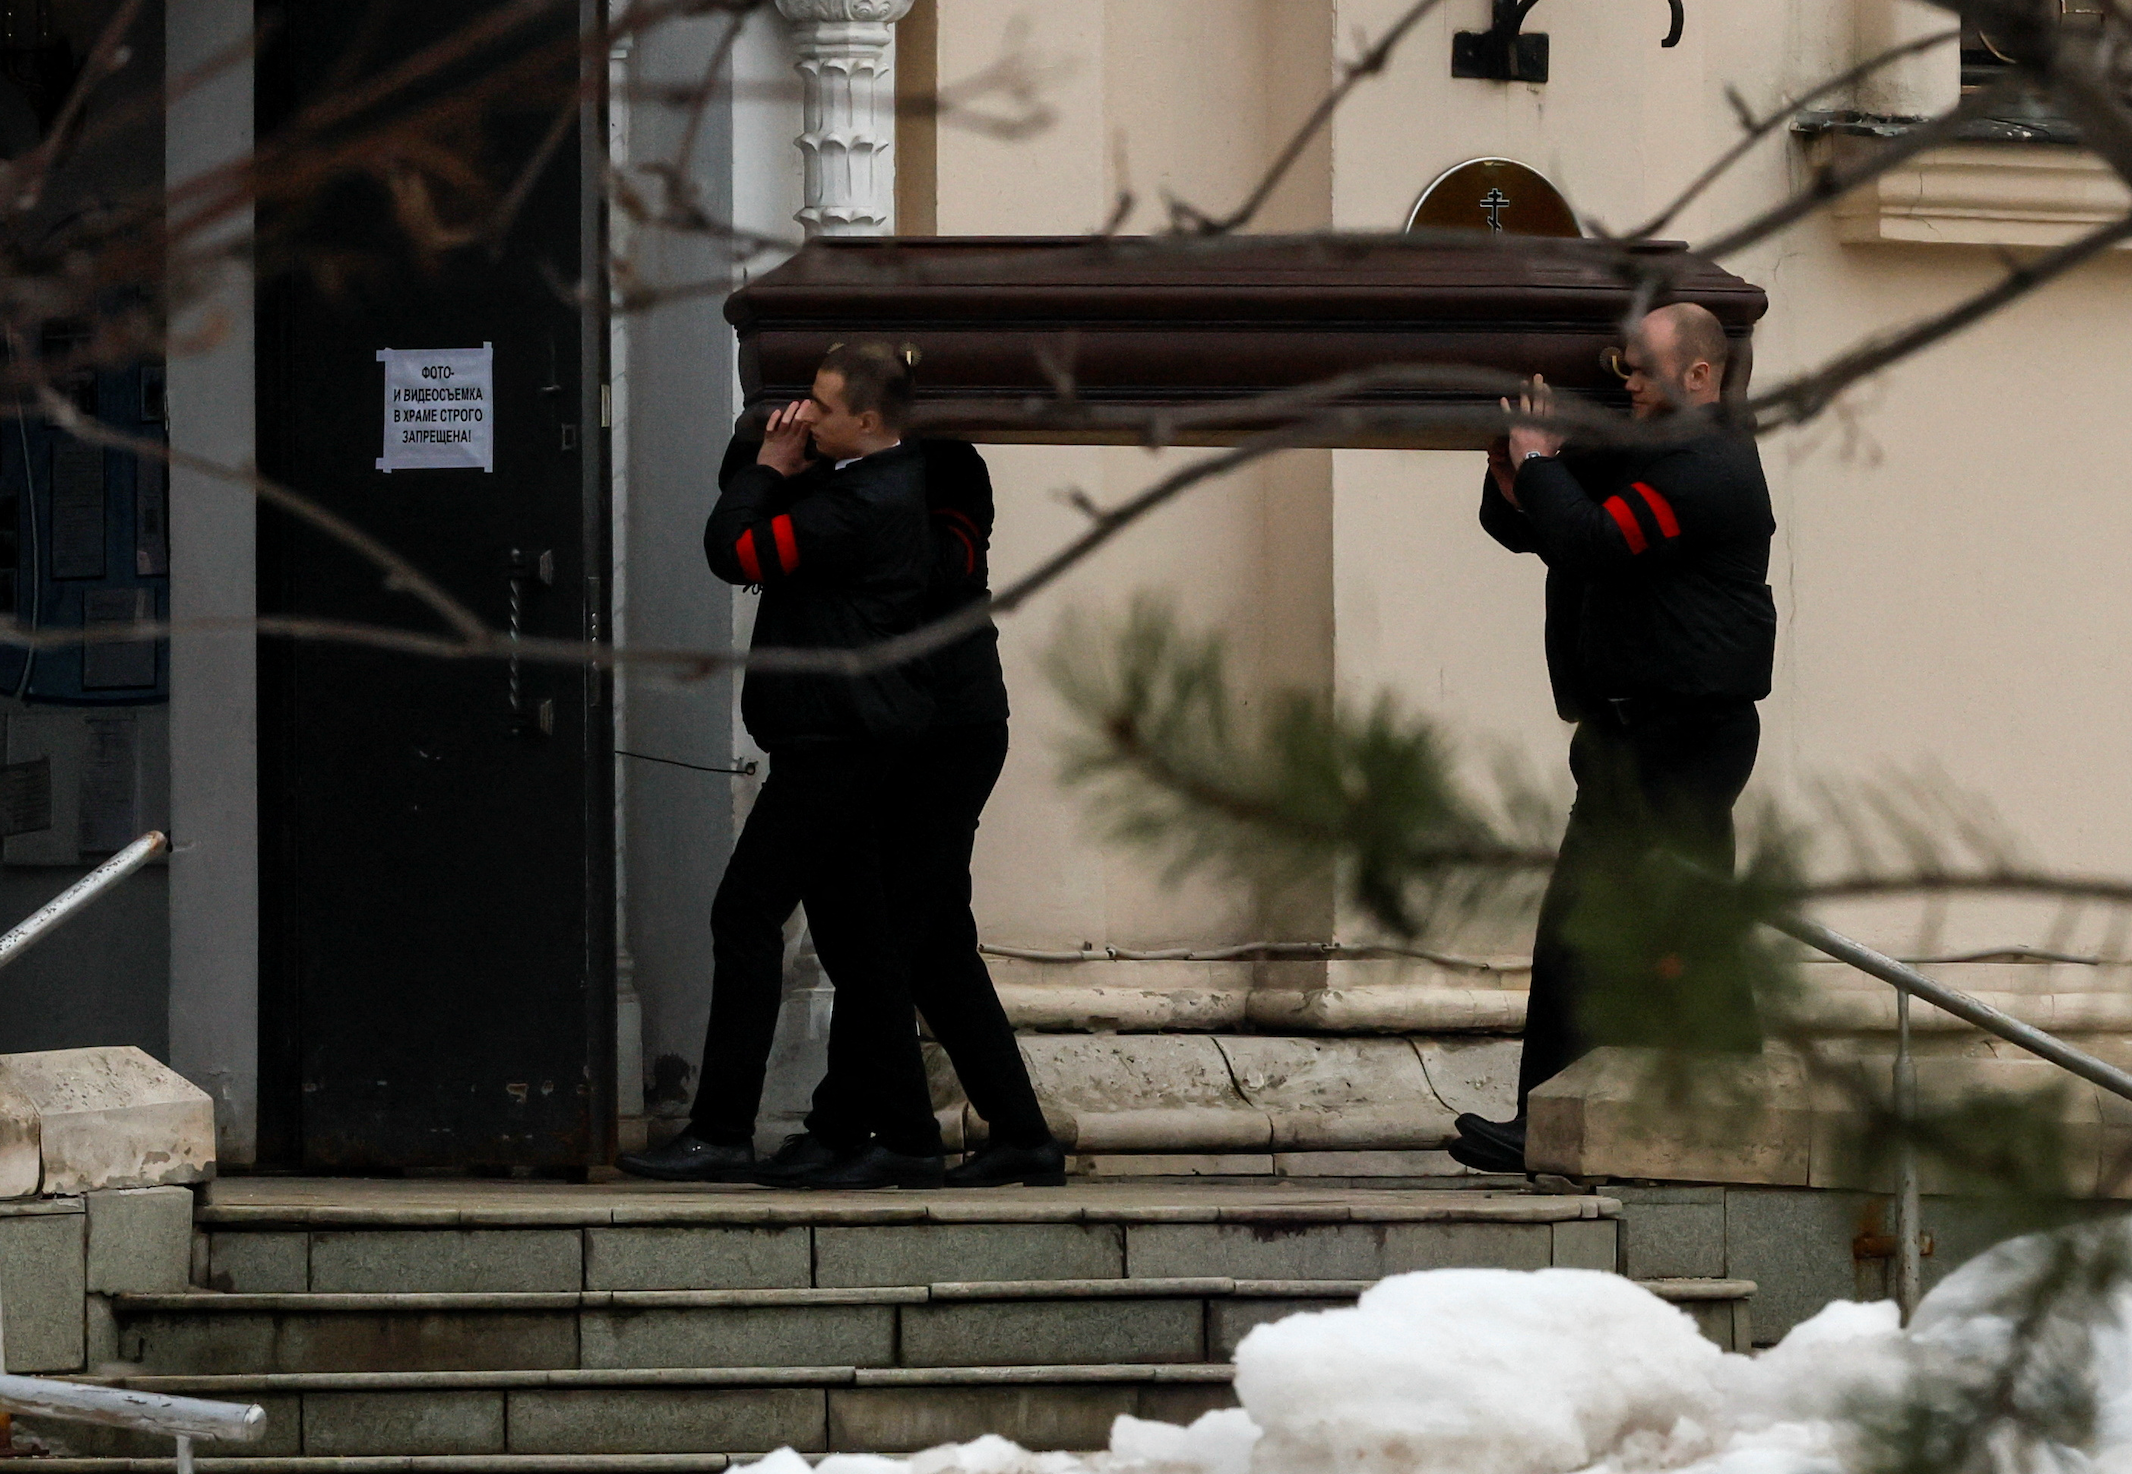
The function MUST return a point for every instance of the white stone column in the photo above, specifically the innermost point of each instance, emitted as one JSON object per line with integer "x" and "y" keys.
{"x": 214, "y": 707}
{"x": 849, "y": 78}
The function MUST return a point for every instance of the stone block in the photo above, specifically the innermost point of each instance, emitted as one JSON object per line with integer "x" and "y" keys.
{"x": 1673, "y": 1239}
{"x": 1726, "y": 1322}
{"x": 1795, "y": 1244}
{"x": 1477, "y": 1075}
{"x": 1591, "y": 1243}
{"x": 225, "y": 1342}
{"x": 931, "y": 1253}
{"x": 697, "y": 1258}
{"x": 1367, "y": 1164}
{"x": 1400, "y": 1007}
{"x": 99, "y": 1333}
{"x": 1122, "y": 996}
{"x": 1331, "y": 1251}
{"x": 42, "y": 1286}
{"x": 21, "y": 1160}
{"x": 753, "y": 1336}
{"x": 140, "y": 1240}
{"x": 166, "y": 1344}
{"x": 906, "y": 1419}
{"x": 1174, "y": 1164}
{"x": 1409, "y": 1246}
{"x": 1332, "y": 1092}
{"x": 1143, "y": 1093}
{"x": 114, "y": 1116}
{"x": 1230, "y": 1320}
{"x": 356, "y": 1424}
{"x": 1182, "y": 1403}
{"x": 259, "y": 1263}
{"x": 665, "y": 1420}
{"x": 1052, "y": 1332}
{"x": 1844, "y": 1158}
{"x": 442, "y": 1341}
{"x": 1614, "y": 1113}
{"x": 386, "y": 1261}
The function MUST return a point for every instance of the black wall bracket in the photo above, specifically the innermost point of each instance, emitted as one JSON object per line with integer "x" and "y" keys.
{"x": 1504, "y": 53}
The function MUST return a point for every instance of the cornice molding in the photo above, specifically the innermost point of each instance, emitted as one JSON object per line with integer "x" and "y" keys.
{"x": 1977, "y": 194}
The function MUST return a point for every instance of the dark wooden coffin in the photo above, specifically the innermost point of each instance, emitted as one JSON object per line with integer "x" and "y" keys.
{"x": 1069, "y": 340}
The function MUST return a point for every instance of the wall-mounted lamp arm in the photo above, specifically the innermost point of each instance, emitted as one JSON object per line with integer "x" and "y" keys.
{"x": 1504, "y": 53}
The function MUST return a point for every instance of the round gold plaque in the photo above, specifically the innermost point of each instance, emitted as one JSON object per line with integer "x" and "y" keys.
{"x": 1499, "y": 195}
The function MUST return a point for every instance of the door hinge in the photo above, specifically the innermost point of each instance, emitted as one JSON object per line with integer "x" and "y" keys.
{"x": 606, "y": 406}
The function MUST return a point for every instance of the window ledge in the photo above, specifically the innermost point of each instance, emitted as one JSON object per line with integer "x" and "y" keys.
{"x": 1975, "y": 194}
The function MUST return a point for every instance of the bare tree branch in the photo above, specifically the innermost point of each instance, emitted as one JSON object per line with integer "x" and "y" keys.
{"x": 1369, "y": 64}
{"x": 1757, "y": 129}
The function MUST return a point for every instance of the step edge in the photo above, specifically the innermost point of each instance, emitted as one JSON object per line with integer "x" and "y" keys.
{"x": 1067, "y": 1373}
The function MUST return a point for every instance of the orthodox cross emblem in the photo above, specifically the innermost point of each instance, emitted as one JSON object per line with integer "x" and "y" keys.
{"x": 1500, "y": 196}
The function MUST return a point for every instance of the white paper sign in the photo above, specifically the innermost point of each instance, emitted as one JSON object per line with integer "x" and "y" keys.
{"x": 439, "y": 408}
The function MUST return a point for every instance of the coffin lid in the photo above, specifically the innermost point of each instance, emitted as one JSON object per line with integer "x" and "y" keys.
{"x": 1142, "y": 325}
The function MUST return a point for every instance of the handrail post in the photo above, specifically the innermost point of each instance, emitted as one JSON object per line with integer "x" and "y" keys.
{"x": 184, "y": 1454}
{"x": 1909, "y": 1267}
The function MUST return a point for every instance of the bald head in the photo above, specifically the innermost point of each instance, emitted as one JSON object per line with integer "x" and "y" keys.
{"x": 1677, "y": 360}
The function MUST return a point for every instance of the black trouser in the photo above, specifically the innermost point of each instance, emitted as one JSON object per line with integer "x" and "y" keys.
{"x": 1649, "y": 772}
{"x": 814, "y": 837}
{"x": 934, "y": 824}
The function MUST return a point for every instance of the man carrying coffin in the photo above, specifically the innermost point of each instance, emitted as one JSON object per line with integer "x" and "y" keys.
{"x": 1661, "y": 634}
{"x": 842, "y": 550}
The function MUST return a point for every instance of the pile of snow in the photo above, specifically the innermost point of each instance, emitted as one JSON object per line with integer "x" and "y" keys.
{"x": 1484, "y": 1371}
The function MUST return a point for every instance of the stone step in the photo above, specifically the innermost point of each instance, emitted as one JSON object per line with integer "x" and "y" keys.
{"x": 666, "y": 1412}
{"x": 750, "y": 1239}
{"x": 1174, "y": 1320}
{"x": 956, "y": 1323}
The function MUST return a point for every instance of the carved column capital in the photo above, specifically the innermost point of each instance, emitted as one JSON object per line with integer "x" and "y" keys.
{"x": 876, "y": 12}
{"x": 849, "y": 90}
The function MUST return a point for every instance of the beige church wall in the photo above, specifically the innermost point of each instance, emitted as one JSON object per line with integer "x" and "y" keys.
{"x": 1946, "y": 559}
{"x": 1176, "y": 96}
{"x": 1947, "y": 566}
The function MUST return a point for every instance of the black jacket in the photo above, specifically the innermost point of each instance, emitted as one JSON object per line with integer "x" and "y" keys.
{"x": 843, "y": 559}
{"x": 968, "y": 686}
{"x": 1657, "y": 569}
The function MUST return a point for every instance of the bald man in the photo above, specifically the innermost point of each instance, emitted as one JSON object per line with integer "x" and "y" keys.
{"x": 1660, "y": 637}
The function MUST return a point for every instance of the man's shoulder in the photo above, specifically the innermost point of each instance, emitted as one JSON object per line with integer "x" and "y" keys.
{"x": 891, "y": 481}
{"x": 1716, "y": 459}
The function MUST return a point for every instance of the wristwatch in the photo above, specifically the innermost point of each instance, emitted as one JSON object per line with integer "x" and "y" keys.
{"x": 1534, "y": 455}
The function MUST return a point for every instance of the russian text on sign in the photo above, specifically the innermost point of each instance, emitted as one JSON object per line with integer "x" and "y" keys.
{"x": 439, "y": 408}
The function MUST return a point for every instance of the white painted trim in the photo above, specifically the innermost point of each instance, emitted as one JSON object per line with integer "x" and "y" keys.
{"x": 1979, "y": 194}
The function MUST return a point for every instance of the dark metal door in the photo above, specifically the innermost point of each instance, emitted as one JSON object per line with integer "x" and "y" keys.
{"x": 437, "y": 950}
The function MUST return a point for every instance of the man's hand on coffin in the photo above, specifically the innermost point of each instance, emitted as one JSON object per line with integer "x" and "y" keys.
{"x": 1499, "y": 467}
{"x": 784, "y": 440}
{"x": 1530, "y": 440}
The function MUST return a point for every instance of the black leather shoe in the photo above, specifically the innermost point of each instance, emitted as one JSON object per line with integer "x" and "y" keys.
{"x": 689, "y": 1158}
{"x": 1508, "y": 1136}
{"x": 996, "y": 1165}
{"x": 875, "y": 1166}
{"x": 1487, "y": 1156}
{"x": 803, "y": 1152}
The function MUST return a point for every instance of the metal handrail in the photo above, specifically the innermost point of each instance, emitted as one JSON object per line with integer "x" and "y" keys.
{"x": 181, "y": 1418}
{"x": 32, "y": 929}
{"x": 1953, "y": 1000}
{"x": 1909, "y": 983}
